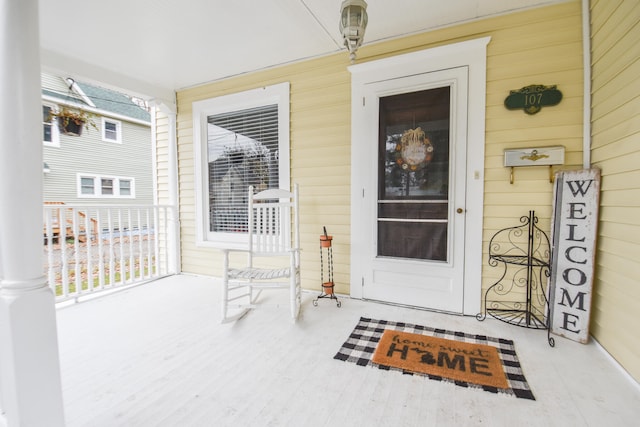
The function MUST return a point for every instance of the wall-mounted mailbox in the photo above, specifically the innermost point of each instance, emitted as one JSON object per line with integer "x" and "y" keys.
{"x": 538, "y": 156}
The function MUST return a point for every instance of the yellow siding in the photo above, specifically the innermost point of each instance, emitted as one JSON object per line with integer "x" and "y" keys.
{"x": 162, "y": 158}
{"x": 540, "y": 46}
{"x": 615, "y": 134}
{"x": 320, "y": 112}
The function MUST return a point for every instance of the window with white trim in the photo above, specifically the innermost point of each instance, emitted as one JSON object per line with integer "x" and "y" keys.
{"x": 87, "y": 186}
{"x": 111, "y": 130}
{"x": 124, "y": 187}
{"x": 240, "y": 140}
{"x": 93, "y": 186}
{"x": 50, "y": 135}
{"x": 106, "y": 186}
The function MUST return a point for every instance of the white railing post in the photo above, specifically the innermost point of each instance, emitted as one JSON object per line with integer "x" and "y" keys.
{"x": 88, "y": 251}
{"x": 100, "y": 249}
{"x": 109, "y": 250}
{"x": 76, "y": 251}
{"x": 131, "y": 271}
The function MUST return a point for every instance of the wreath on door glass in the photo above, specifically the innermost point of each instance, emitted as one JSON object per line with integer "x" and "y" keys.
{"x": 414, "y": 151}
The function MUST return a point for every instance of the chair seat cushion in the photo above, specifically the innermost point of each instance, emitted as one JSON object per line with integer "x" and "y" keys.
{"x": 258, "y": 273}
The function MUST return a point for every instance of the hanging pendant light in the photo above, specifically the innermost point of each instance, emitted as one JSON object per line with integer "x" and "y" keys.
{"x": 353, "y": 22}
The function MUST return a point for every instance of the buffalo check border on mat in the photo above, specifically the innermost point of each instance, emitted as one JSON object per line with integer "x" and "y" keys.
{"x": 362, "y": 342}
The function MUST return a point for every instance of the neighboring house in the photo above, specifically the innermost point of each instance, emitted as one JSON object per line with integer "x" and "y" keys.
{"x": 109, "y": 163}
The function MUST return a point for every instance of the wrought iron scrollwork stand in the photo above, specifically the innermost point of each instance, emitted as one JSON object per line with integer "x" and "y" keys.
{"x": 520, "y": 299}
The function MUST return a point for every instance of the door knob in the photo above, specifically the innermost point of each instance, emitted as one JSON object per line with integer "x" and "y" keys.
{"x": 459, "y": 210}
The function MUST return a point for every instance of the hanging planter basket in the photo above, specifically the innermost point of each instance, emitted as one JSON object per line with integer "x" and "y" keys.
{"x": 70, "y": 126}
{"x": 72, "y": 121}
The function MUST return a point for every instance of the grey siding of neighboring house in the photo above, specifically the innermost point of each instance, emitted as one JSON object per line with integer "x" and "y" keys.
{"x": 89, "y": 154}
{"x": 58, "y": 87}
{"x": 54, "y": 84}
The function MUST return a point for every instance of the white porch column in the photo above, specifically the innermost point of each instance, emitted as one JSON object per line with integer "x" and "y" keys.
{"x": 173, "y": 243}
{"x": 30, "y": 386}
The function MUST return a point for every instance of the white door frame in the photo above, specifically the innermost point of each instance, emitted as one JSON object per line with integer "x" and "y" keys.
{"x": 471, "y": 54}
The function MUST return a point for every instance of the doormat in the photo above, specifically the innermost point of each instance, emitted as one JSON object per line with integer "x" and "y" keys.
{"x": 466, "y": 360}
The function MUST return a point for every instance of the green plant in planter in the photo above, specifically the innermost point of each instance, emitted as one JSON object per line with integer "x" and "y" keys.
{"x": 71, "y": 121}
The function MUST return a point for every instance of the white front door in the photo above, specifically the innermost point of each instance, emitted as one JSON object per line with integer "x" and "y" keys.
{"x": 417, "y": 184}
{"x": 415, "y": 196}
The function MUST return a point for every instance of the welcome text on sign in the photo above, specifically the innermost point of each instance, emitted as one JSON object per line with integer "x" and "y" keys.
{"x": 574, "y": 234}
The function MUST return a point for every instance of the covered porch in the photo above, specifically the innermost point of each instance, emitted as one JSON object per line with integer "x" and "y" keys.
{"x": 158, "y": 355}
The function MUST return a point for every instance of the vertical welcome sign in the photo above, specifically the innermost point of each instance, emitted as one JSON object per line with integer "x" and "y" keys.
{"x": 574, "y": 228}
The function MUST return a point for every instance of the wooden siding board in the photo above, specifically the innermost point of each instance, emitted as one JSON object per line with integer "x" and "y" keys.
{"x": 613, "y": 126}
{"x": 615, "y": 59}
{"x": 616, "y": 297}
{"x": 619, "y": 147}
{"x": 616, "y": 253}
{"x": 620, "y": 214}
{"x": 601, "y": 12}
{"x": 618, "y": 300}
{"x": 621, "y": 181}
{"x": 623, "y": 198}
{"x": 528, "y": 72}
{"x": 536, "y": 133}
{"x": 625, "y": 14}
{"x": 627, "y": 163}
{"x": 534, "y": 58}
{"x": 619, "y": 91}
{"x": 548, "y": 34}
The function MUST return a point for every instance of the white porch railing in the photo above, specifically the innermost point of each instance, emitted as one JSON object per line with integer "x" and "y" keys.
{"x": 94, "y": 248}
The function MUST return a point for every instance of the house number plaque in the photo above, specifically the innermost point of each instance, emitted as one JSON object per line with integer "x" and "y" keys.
{"x": 532, "y": 98}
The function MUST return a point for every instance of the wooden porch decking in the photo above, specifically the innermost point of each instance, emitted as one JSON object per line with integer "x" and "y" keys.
{"x": 157, "y": 355}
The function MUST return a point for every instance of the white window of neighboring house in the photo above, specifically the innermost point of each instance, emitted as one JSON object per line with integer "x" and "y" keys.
{"x": 94, "y": 186}
{"x": 240, "y": 140}
{"x": 125, "y": 187}
{"x": 106, "y": 186}
{"x": 51, "y": 135}
{"x": 87, "y": 186}
{"x": 111, "y": 130}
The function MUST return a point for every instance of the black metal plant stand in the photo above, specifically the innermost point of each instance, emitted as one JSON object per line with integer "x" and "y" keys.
{"x": 327, "y": 287}
{"x": 519, "y": 296}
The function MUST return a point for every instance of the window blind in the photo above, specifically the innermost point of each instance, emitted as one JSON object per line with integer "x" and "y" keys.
{"x": 242, "y": 150}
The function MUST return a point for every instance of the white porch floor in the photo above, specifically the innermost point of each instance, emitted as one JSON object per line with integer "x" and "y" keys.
{"x": 157, "y": 355}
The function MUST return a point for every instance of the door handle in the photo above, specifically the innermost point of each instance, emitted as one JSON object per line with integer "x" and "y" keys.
{"x": 460, "y": 210}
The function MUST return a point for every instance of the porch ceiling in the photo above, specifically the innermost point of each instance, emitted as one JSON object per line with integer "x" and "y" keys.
{"x": 154, "y": 47}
